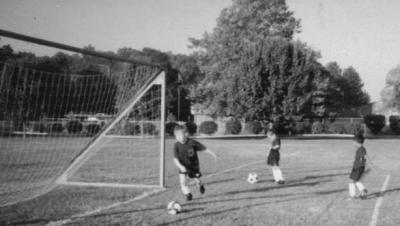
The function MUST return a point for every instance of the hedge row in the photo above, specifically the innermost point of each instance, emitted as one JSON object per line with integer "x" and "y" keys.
{"x": 335, "y": 128}
{"x": 72, "y": 127}
{"x": 232, "y": 126}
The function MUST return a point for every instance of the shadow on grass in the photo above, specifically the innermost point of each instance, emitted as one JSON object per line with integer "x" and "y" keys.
{"x": 240, "y": 207}
{"x": 317, "y": 170}
{"x": 220, "y": 181}
{"x": 195, "y": 208}
{"x": 289, "y": 185}
{"x": 380, "y": 194}
{"x": 28, "y": 222}
{"x": 237, "y": 200}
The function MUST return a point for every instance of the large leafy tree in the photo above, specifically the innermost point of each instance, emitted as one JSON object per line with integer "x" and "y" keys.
{"x": 391, "y": 93}
{"x": 276, "y": 79}
{"x": 254, "y": 70}
{"x": 245, "y": 22}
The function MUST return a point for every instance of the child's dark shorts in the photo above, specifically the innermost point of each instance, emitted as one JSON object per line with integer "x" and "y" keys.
{"x": 356, "y": 173}
{"x": 192, "y": 173}
{"x": 273, "y": 158}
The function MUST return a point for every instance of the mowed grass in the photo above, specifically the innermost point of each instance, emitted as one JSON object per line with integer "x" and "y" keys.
{"x": 316, "y": 193}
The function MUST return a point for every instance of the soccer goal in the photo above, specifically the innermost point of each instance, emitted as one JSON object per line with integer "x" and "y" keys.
{"x": 99, "y": 122}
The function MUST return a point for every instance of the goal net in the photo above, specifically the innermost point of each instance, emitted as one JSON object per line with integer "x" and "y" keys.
{"x": 97, "y": 126}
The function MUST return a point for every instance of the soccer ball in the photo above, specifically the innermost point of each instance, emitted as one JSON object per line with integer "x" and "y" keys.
{"x": 174, "y": 207}
{"x": 252, "y": 178}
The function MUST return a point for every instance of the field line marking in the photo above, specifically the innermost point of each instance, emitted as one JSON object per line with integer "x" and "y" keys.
{"x": 375, "y": 214}
{"x": 91, "y": 212}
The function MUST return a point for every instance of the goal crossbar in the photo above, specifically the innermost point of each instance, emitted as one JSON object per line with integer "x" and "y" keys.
{"x": 57, "y": 45}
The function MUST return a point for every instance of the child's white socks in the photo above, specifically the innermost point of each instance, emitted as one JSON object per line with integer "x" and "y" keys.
{"x": 352, "y": 190}
{"x": 360, "y": 186}
{"x": 277, "y": 173}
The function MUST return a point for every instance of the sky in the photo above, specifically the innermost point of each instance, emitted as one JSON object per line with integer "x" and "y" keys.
{"x": 364, "y": 34}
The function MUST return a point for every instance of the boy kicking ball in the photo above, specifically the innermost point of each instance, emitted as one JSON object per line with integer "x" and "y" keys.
{"x": 358, "y": 168}
{"x": 274, "y": 156}
{"x": 187, "y": 161}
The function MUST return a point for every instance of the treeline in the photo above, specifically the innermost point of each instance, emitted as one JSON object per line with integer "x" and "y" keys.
{"x": 33, "y": 87}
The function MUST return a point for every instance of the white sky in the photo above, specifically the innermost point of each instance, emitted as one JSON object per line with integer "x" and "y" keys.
{"x": 361, "y": 33}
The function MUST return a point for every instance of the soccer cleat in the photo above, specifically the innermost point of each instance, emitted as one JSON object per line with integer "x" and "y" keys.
{"x": 189, "y": 197}
{"x": 202, "y": 189}
{"x": 363, "y": 194}
{"x": 281, "y": 182}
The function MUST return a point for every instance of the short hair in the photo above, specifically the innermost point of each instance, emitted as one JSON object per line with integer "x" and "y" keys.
{"x": 182, "y": 128}
{"x": 359, "y": 138}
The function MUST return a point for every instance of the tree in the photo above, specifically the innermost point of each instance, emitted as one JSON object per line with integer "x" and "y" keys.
{"x": 390, "y": 95}
{"x": 354, "y": 94}
{"x": 245, "y": 22}
{"x": 345, "y": 89}
{"x": 253, "y": 69}
{"x": 336, "y": 88}
{"x": 277, "y": 79}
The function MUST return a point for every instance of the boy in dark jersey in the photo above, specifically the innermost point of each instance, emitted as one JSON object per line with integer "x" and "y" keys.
{"x": 358, "y": 168}
{"x": 187, "y": 161}
{"x": 274, "y": 156}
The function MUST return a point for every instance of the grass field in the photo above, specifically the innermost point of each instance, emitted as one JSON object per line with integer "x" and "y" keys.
{"x": 316, "y": 193}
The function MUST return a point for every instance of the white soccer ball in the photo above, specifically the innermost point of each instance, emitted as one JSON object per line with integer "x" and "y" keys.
{"x": 252, "y": 178}
{"x": 174, "y": 207}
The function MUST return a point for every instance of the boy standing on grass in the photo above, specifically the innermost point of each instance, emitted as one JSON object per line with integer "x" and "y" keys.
{"x": 274, "y": 156}
{"x": 358, "y": 168}
{"x": 187, "y": 161}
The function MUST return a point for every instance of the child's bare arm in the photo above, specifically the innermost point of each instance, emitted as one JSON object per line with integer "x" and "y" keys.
{"x": 276, "y": 146}
{"x": 178, "y": 164}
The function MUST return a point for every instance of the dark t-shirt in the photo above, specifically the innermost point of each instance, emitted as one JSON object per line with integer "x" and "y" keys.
{"x": 187, "y": 153}
{"x": 360, "y": 157}
{"x": 276, "y": 141}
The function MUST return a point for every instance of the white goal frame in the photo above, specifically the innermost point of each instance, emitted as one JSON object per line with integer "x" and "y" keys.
{"x": 158, "y": 78}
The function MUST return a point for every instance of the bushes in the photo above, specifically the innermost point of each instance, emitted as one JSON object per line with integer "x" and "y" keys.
{"x": 149, "y": 128}
{"x": 317, "y": 128}
{"x": 335, "y": 128}
{"x": 131, "y": 129}
{"x": 74, "y": 126}
{"x": 233, "y": 126}
{"x": 208, "y": 127}
{"x": 6, "y": 128}
{"x": 395, "y": 123}
{"x": 302, "y": 127}
{"x": 93, "y": 128}
{"x": 375, "y": 122}
{"x": 56, "y": 128}
{"x": 254, "y": 127}
{"x": 191, "y": 127}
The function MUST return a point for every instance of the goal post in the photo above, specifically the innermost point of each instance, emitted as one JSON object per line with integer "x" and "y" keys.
{"x": 157, "y": 78}
{"x": 66, "y": 121}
